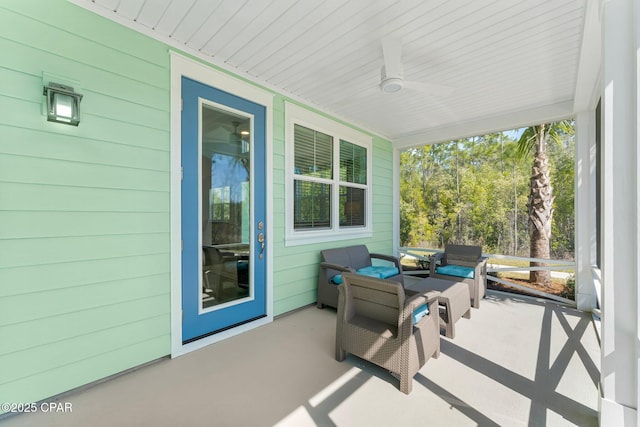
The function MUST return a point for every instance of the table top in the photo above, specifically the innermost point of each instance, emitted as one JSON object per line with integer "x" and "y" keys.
{"x": 433, "y": 284}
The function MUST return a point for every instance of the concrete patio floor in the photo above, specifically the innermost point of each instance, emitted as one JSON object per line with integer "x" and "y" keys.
{"x": 516, "y": 362}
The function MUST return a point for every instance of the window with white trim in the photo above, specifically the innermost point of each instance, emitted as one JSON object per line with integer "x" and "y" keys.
{"x": 328, "y": 193}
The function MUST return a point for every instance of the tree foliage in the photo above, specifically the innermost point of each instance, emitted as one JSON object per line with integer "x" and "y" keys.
{"x": 475, "y": 191}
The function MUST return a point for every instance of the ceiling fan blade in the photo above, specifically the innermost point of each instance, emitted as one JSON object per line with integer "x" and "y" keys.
{"x": 430, "y": 88}
{"x": 435, "y": 95}
{"x": 392, "y": 54}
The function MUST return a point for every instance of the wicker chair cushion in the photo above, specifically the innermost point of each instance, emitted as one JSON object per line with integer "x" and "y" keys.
{"x": 456, "y": 270}
{"x": 420, "y": 312}
{"x": 377, "y": 271}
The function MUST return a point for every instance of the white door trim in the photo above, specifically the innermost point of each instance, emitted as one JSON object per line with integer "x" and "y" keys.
{"x": 183, "y": 66}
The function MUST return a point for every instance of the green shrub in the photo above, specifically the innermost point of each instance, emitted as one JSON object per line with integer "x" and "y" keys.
{"x": 569, "y": 288}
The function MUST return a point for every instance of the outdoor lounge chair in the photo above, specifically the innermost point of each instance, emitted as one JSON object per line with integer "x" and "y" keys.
{"x": 462, "y": 263}
{"x": 349, "y": 259}
{"x": 376, "y": 322}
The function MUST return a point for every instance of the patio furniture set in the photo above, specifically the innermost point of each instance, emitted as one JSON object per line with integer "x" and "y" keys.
{"x": 394, "y": 326}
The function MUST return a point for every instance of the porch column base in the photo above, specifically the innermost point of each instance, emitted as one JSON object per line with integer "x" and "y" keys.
{"x": 614, "y": 414}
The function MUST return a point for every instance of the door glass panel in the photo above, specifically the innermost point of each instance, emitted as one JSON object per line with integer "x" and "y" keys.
{"x": 225, "y": 201}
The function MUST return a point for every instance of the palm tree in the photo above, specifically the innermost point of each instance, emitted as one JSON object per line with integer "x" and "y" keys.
{"x": 540, "y": 205}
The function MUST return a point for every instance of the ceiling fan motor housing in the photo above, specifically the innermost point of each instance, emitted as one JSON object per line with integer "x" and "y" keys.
{"x": 391, "y": 83}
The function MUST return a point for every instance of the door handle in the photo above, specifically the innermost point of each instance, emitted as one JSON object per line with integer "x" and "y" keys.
{"x": 261, "y": 241}
{"x": 261, "y": 238}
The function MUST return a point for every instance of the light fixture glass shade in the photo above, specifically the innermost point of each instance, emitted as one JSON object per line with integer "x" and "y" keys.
{"x": 63, "y": 104}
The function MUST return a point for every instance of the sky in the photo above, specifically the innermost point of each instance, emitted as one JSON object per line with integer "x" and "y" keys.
{"x": 515, "y": 133}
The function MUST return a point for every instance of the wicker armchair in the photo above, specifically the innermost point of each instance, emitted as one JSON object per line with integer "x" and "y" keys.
{"x": 461, "y": 263}
{"x": 376, "y": 323}
{"x": 347, "y": 259}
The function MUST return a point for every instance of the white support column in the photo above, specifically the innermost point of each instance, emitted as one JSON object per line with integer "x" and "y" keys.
{"x": 619, "y": 366}
{"x": 584, "y": 206}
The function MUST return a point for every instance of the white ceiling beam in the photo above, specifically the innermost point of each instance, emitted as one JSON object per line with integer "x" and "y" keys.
{"x": 512, "y": 120}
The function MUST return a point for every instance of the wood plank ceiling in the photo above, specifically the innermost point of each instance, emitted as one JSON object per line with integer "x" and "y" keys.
{"x": 500, "y": 56}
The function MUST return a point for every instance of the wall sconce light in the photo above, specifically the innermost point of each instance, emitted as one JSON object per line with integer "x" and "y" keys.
{"x": 63, "y": 104}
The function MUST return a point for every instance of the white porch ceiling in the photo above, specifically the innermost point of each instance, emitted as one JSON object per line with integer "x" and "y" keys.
{"x": 503, "y": 57}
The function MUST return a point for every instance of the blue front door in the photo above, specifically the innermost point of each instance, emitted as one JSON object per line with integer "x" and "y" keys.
{"x": 223, "y": 211}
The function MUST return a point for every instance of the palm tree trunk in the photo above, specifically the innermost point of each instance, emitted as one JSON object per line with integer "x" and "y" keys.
{"x": 515, "y": 212}
{"x": 540, "y": 208}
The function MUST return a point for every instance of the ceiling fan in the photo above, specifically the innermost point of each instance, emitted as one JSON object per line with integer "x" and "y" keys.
{"x": 392, "y": 72}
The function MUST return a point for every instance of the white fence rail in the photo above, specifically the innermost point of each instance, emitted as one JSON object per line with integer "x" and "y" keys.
{"x": 557, "y": 267}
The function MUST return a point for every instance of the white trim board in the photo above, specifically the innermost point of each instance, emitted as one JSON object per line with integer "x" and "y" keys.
{"x": 483, "y": 126}
{"x": 183, "y": 66}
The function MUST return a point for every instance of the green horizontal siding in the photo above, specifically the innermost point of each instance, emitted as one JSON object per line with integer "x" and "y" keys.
{"x": 31, "y": 59}
{"x": 39, "y": 224}
{"x": 37, "y": 143}
{"x": 38, "y": 197}
{"x": 79, "y": 289}
{"x": 27, "y": 363}
{"x": 85, "y": 236}
{"x": 118, "y": 356}
{"x": 296, "y": 300}
{"x": 37, "y": 170}
{"x": 46, "y": 277}
{"x": 43, "y": 31}
{"x": 33, "y": 251}
{"x": 45, "y": 331}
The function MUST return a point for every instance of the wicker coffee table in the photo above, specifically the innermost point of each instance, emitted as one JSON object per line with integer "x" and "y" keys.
{"x": 454, "y": 300}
